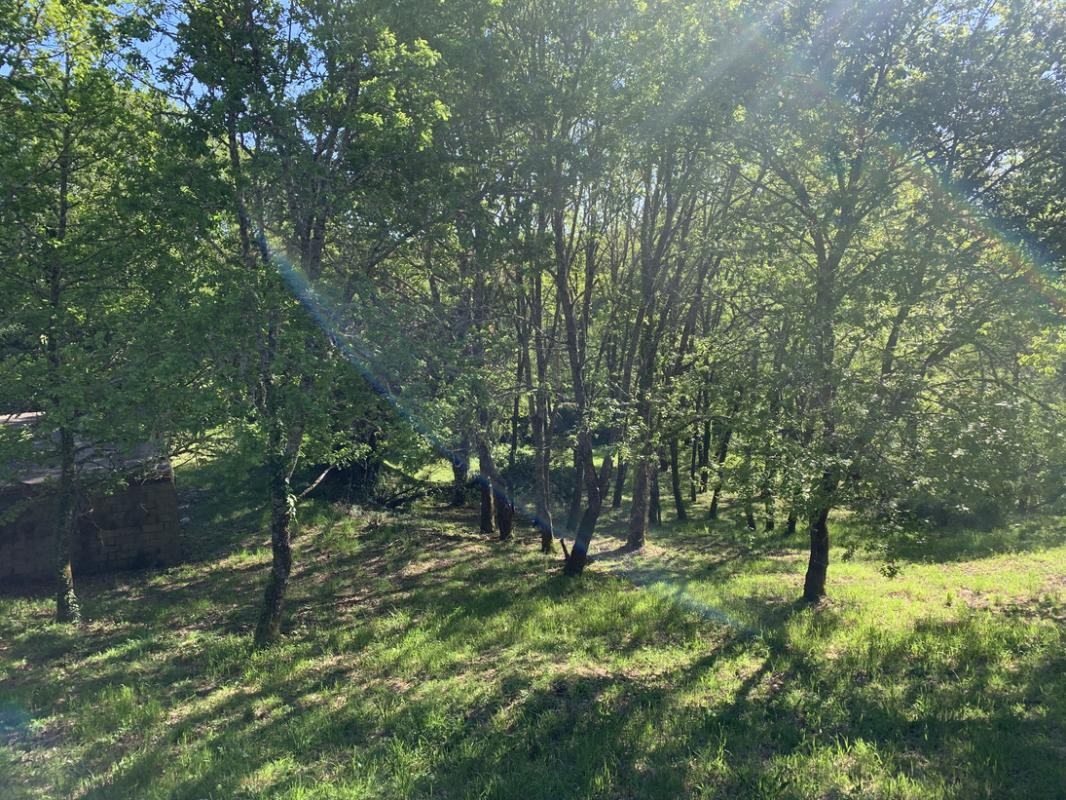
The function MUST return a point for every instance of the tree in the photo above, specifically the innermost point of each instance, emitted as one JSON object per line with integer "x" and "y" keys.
{"x": 325, "y": 116}
{"x": 102, "y": 262}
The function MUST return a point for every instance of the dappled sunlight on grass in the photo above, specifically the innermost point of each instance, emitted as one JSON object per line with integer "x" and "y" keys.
{"x": 422, "y": 660}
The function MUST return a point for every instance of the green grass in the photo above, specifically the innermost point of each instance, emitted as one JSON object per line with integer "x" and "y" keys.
{"x": 423, "y": 661}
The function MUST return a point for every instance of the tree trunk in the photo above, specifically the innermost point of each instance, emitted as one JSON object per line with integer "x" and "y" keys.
{"x": 505, "y": 501}
{"x": 542, "y": 476}
{"x": 268, "y": 629}
{"x": 723, "y": 451}
{"x": 460, "y": 469}
{"x": 705, "y": 456}
{"x": 500, "y": 507}
{"x": 817, "y": 566}
{"x": 749, "y": 514}
{"x": 574, "y": 515}
{"x": 638, "y": 508}
{"x": 67, "y": 607}
{"x": 595, "y": 486}
{"x": 748, "y": 489}
{"x": 487, "y": 511}
{"x": 790, "y": 523}
{"x": 619, "y": 484}
{"x": 542, "y": 430}
{"x": 768, "y": 509}
{"x": 692, "y": 467}
{"x": 655, "y": 505}
{"x": 675, "y": 479}
{"x": 504, "y": 513}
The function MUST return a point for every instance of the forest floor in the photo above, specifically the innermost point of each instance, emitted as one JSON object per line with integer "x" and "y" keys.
{"x": 422, "y": 660}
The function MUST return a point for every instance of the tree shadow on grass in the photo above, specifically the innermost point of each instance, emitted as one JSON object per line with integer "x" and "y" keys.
{"x": 452, "y": 697}
{"x": 949, "y": 544}
{"x": 224, "y": 502}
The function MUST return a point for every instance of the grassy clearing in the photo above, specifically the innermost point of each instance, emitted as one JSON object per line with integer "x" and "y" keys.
{"x": 423, "y": 661}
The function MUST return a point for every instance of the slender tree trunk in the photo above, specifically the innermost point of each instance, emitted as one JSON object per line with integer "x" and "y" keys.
{"x": 485, "y": 480}
{"x": 692, "y": 469}
{"x": 818, "y": 564}
{"x": 542, "y": 432}
{"x": 749, "y": 514}
{"x": 825, "y": 343}
{"x": 768, "y": 509}
{"x": 723, "y": 451}
{"x": 283, "y": 447}
{"x": 574, "y": 515}
{"x": 487, "y": 510}
{"x": 675, "y": 479}
{"x": 790, "y": 523}
{"x": 705, "y": 454}
{"x": 595, "y": 486}
{"x": 638, "y": 507}
{"x": 619, "y": 484}
{"x": 67, "y": 607}
{"x": 655, "y": 505}
{"x": 504, "y": 508}
{"x": 268, "y": 629}
{"x": 505, "y": 500}
{"x": 747, "y": 489}
{"x": 460, "y": 470}
{"x": 542, "y": 478}
{"x": 497, "y": 491}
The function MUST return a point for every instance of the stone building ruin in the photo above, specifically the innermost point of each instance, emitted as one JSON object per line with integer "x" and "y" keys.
{"x": 133, "y": 526}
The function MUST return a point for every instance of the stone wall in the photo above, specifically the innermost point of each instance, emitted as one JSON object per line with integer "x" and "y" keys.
{"x": 131, "y": 529}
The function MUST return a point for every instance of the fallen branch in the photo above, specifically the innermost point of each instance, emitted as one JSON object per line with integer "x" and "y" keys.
{"x": 314, "y": 484}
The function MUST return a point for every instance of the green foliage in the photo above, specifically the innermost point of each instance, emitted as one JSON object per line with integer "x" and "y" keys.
{"x": 108, "y": 273}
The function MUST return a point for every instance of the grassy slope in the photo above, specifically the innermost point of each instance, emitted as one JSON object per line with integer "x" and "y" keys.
{"x": 424, "y": 661}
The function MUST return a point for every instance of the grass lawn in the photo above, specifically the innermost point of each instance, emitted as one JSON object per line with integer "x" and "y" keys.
{"x": 424, "y": 661}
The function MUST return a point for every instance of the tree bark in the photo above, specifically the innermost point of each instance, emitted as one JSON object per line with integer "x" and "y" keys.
{"x": 748, "y": 489}
{"x": 460, "y": 469}
{"x": 705, "y": 455}
{"x": 675, "y": 479}
{"x": 818, "y": 564}
{"x": 768, "y": 509}
{"x": 542, "y": 438}
{"x": 692, "y": 468}
{"x": 504, "y": 508}
{"x": 487, "y": 510}
{"x": 268, "y": 629}
{"x": 638, "y": 507}
{"x": 575, "y": 564}
{"x": 573, "y": 516}
{"x": 279, "y": 464}
{"x": 496, "y": 502}
{"x": 67, "y": 607}
{"x": 619, "y": 484}
{"x": 542, "y": 478}
{"x": 723, "y": 451}
{"x": 655, "y": 505}
{"x": 790, "y": 523}
{"x": 712, "y": 512}
{"x": 749, "y": 514}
